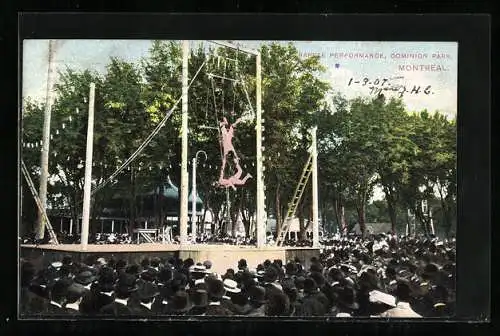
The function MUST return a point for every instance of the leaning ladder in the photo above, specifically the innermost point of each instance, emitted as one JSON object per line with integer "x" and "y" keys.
{"x": 52, "y": 234}
{"x": 297, "y": 196}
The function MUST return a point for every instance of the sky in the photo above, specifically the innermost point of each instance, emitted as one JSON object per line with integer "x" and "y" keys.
{"x": 341, "y": 59}
{"x": 427, "y": 71}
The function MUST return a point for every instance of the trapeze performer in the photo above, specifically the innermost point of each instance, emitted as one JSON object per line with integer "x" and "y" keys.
{"x": 227, "y": 147}
{"x": 236, "y": 179}
{"x": 227, "y": 139}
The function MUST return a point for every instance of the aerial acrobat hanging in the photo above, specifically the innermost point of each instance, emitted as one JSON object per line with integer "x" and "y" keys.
{"x": 227, "y": 135}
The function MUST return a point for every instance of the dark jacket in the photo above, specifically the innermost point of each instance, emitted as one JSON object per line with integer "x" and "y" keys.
{"x": 116, "y": 309}
{"x": 31, "y": 304}
{"x": 93, "y": 301}
{"x": 218, "y": 310}
{"x": 197, "y": 311}
{"x": 141, "y": 310}
{"x": 257, "y": 311}
{"x": 54, "y": 310}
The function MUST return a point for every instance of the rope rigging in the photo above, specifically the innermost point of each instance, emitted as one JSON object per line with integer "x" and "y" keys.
{"x": 148, "y": 139}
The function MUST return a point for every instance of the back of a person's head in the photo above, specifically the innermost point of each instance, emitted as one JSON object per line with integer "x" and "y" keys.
{"x": 59, "y": 290}
{"x": 292, "y": 293}
{"x": 145, "y": 262}
{"x": 278, "y": 304}
{"x": 403, "y": 291}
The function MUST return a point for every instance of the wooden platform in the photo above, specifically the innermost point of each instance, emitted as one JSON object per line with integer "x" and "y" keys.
{"x": 221, "y": 256}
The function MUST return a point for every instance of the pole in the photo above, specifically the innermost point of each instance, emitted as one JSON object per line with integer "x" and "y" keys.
{"x": 71, "y": 226}
{"x": 183, "y": 219}
{"x": 315, "y": 212}
{"x": 44, "y": 159}
{"x": 88, "y": 171}
{"x": 194, "y": 229}
{"x": 228, "y": 212}
{"x": 112, "y": 226}
{"x": 261, "y": 216}
{"x": 193, "y": 202}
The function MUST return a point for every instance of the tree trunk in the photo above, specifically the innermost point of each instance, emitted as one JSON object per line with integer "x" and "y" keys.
{"x": 422, "y": 219}
{"x": 343, "y": 222}
{"x": 340, "y": 216}
{"x": 391, "y": 208}
{"x": 360, "y": 208}
{"x": 132, "y": 215}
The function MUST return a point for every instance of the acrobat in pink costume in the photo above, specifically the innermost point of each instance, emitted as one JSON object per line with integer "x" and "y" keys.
{"x": 227, "y": 146}
{"x": 236, "y": 179}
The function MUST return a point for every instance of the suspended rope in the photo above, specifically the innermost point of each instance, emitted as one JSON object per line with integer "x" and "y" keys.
{"x": 148, "y": 139}
{"x": 217, "y": 117}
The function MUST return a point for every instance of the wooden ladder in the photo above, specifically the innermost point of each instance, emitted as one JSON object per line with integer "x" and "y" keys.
{"x": 53, "y": 237}
{"x": 297, "y": 197}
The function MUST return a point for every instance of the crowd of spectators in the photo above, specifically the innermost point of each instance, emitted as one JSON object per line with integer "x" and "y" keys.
{"x": 378, "y": 276}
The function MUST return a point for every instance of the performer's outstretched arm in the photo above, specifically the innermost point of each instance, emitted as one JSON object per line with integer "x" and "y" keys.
{"x": 237, "y": 121}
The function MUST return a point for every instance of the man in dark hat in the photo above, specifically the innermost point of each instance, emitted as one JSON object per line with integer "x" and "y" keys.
{"x": 89, "y": 264}
{"x": 312, "y": 293}
{"x": 402, "y": 309}
{"x": 58, "y": 294}
{"x": 101, "y": 294}
{"x": 208, "y": 265}
{"x": 323, "y": 289}
{"x": 67, "y": 260}
{"x": 199, "y": 300}
{"x": 257, "y": 299}
{"x": 441, "y": 306}
{"x": 292, "y": 293}
{"x": 85, "y": 278}
{"x": 229, "y": 274}
{"x": 242, "y": 265}
{"x": 126, "y": 285}
{"x": 165, "y": 277}
{"x": 147, "y": 291}
{"x": 74, "y": 297}
{"x": 270, "y": 280}
{"x": 346, "y": 304}
{"x": 179, "y": 304}
{"x": 121, "y": 265}
{"x": 290, "y": 270}
{"x": 278, "y": 305}
{"x": 216, "y": 292}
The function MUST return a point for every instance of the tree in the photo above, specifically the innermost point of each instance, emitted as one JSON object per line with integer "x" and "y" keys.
{"x": 292, "y": 95}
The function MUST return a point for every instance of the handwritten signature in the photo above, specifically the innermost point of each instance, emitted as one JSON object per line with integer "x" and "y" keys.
{"x": 379, "y": 85}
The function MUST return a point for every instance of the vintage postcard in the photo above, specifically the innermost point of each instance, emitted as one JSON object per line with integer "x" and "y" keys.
{"x": 238, "y": 178}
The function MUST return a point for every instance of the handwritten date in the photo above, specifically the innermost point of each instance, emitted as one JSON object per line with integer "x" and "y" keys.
{"x": 380, "y": 85}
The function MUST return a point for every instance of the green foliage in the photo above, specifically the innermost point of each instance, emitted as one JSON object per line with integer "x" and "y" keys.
{"x": 361, "y": 142}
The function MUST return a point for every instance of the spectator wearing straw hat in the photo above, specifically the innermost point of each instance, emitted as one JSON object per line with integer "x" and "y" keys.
{"x": 231, "y": 288}
{"x": 403, "y": 308}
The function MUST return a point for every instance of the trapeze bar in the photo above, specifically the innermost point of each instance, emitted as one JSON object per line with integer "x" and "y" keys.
{"x": 230, "y": 45}
{"x": 222, "y": 77}
{"x": 208, "y": 127}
